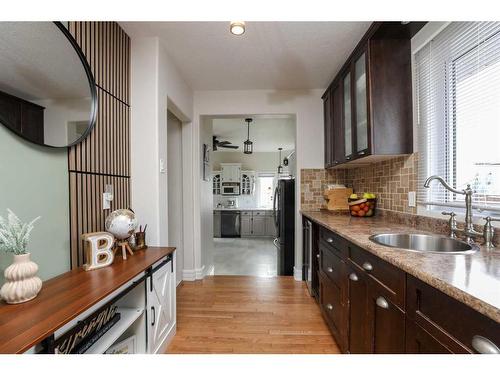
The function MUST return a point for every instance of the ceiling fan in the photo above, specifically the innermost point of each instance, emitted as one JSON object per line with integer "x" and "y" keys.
{"x": 222, "y": 144}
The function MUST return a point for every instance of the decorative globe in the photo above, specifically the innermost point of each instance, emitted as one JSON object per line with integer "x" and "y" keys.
{"x": 121, "y": 224}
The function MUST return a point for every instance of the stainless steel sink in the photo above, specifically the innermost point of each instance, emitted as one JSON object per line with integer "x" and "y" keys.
{"x": 428, "y": 243}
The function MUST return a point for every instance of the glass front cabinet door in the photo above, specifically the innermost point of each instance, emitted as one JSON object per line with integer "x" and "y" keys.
{"x": 361, "y": 112}
{"x": 347, "y": 117}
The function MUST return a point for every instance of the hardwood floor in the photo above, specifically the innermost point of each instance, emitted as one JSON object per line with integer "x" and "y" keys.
{"x": 245, "y": 314}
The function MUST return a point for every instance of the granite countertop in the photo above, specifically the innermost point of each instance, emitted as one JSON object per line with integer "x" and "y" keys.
{"x": 242, "y": 209}
{"x": 473, "y": 279}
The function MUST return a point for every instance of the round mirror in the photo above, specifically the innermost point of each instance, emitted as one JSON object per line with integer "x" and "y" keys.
{"x": 47, "y": 91}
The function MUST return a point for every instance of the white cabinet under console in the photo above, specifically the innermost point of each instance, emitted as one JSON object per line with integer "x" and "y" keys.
{"x": 160, "y": 298}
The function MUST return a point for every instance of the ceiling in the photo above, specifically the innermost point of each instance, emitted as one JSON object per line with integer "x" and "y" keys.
{"x": 38, "y": 62}
{"x": 270, "y": 55}
{"x": 266, "y": 132}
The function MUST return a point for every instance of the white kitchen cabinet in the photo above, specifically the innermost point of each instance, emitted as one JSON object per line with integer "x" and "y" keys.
{"x": 246, "y": 225}
{"x": 161, "y": 307}
{"x": 258, "y": 225}
{"x": 247, "y": 182}
{"x": 231, "y": 172}
{"x": 217, "y": 224}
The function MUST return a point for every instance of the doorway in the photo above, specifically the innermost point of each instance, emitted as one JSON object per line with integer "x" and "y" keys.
{"x": 245, "y": 233}
{"x": 174, "y": 188}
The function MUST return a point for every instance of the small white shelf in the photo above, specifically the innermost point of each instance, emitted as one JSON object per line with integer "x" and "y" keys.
{"x": 127, "y": 318}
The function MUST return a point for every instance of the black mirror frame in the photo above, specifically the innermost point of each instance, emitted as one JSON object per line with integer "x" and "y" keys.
{"x": 92, "y": 86}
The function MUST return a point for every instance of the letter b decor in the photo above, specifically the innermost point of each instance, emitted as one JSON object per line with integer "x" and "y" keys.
{"x": 98, "y": 250}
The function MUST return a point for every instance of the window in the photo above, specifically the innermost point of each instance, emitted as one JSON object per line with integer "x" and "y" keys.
{"x": 458, "y": 114}
{"x": 265, "y": 189}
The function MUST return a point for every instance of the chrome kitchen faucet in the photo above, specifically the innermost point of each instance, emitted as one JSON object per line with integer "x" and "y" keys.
{"x": 469, "y": 232}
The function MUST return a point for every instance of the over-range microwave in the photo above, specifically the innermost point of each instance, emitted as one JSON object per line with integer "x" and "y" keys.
{"x": 230, "y": 188}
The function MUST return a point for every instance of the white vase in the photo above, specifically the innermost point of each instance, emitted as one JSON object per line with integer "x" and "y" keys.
{"x": 21, "y": 282}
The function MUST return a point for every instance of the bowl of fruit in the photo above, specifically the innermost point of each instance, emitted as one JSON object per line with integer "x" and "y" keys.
{"x": 362, "y": 206}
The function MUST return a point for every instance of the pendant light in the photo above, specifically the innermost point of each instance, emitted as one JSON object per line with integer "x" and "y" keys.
{"x": 280, "y": 167}
{"x": 248, "y": 145}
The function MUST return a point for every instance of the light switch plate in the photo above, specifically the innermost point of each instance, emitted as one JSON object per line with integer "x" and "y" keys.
{"x": 412, "y": 199}
{"x": 162, "y": 166}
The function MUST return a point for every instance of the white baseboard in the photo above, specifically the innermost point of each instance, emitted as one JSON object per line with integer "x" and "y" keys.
{"x": 189, "y": 275}
{"x": 210, "y": 271}
{"x": 297, "y": 273}
{"x": 196, "y": 274}
{"x": 200, "y": 273}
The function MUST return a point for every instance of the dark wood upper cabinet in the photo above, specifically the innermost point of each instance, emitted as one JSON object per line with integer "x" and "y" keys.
{"x": 375, "y": 109}
{"x": 329, "y": 137}
{"x": 22, "y": 117}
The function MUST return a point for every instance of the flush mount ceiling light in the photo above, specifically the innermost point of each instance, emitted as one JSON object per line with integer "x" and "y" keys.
{"x": 248, "y": 145}
{"x": 280, "y": 167}
{"x": 237, "y": 27}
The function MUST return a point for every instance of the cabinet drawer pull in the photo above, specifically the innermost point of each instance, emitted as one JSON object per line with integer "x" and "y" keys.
{"x": 153, "y": 316}
{"x": 330, "y": 269}
{"x": 484, "y": 346}
{"x": 329, "y": 240}
{"x": 367, "y": 266}
{"x": 382, "y": 302}
{"x": 329, "y": 306}
{"x": 353, "y": 277}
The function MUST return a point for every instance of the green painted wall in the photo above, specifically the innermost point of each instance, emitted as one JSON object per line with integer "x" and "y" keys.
{"x": 34, "y": 182}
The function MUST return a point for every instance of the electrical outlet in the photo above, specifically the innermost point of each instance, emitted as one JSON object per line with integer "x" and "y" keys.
{"x": 412, "y": 199}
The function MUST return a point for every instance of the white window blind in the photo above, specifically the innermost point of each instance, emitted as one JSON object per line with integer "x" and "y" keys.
{"x": 458, "y": 114}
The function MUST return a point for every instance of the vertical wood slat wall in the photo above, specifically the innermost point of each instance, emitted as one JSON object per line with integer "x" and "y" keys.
{"x": 104, "y": 156}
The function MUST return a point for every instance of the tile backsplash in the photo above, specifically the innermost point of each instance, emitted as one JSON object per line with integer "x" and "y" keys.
{"x": 313, "y": 183}
{"x": 390, "y": 180}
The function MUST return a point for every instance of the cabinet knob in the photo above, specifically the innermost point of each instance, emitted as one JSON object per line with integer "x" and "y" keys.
{"x": 329, "y": 306}
{"x": 330, "y": 269}
{"x": 329, "y": 240}
{"x": 353, "y": 277}
{"x": 317, "y": 256}
{"x": 484, "y": 346}
{"x": 382, "y": 302}
{"x": 367, "y": 266}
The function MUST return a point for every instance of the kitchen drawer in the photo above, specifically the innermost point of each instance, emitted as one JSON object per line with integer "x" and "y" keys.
{"x": 330, "y": 301}
{"x": 452, "y": 323}
{"x": 389, "y": 276}
{"x": 330, "y": 264}
{"x": 419, "y": 341}
{"x": 334, "y": 241}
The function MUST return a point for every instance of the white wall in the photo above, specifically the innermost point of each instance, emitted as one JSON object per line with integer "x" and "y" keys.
{"x": 205, "y": 221}
{"x": 308, "y": 108}
{"x": 156, "y": 84}
{"x": 257, "y": 161}
{"x": 174, "y": 177}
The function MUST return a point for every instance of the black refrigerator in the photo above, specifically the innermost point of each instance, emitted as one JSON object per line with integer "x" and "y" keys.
{"x": 284, "y": 219}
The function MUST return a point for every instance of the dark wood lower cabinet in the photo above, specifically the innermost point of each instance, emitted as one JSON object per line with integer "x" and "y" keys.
{"x": 359, "y": 341}
{"x": 419, "y": 341}
{"x": 372, "y": 306}
{"x": 386, "y": 322}
{"x": 331, "y": 300}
